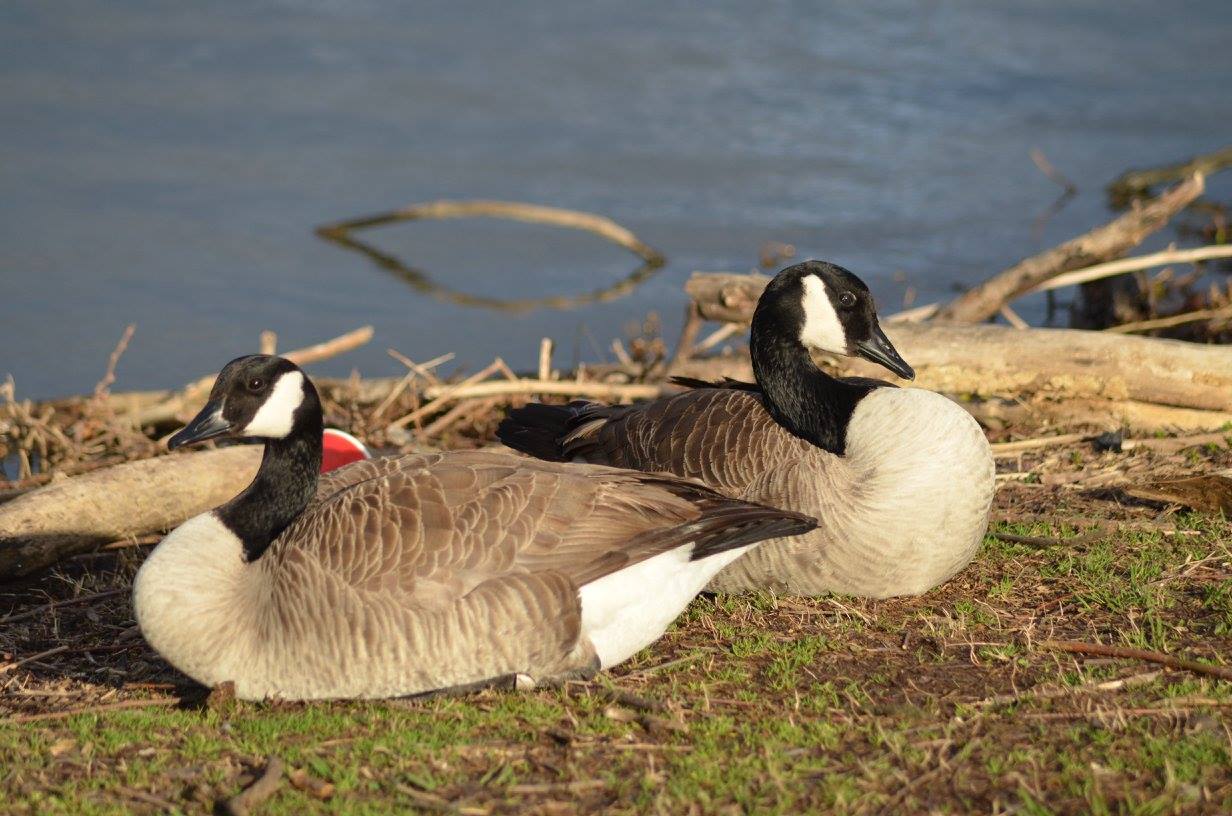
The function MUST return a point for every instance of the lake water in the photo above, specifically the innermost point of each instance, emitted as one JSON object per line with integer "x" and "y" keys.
{"x": 165, "y": 164}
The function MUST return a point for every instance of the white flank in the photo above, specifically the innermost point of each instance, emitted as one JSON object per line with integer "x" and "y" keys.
{"x": 627, "y": 610}
{"x": 277, "y": 414}
{"x": 821, "y": 329}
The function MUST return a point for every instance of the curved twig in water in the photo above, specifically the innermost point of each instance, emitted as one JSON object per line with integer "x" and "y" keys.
{"x": 342, "y": 233}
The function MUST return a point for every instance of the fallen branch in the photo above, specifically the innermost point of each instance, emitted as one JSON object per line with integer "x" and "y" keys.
{"x": 1222, "y": 313}
{"x": 39, "y": 610}
{"x": 243, "y": 802}
{"x": 1137, "y": 182}
{"x": 456, "y": 414}
{"x": 1100, "y": 650}
{"x": 55, "y": 650}
{"x": 1107, "y": 270}
{"x": 1039, "y": 541}
{"x": 301, "y": 780}
{"x": 76, "y": 515}
{"x": 1210, "y": 492}
{"x": 447, "y": 393}
{"x": 1008, "y": 449}
{"x": 576, "y": 786}
{"x": 1110, "y": 240}
{"x": 100, "y": 390}
{"x": 329, "y": 349}
{"x": 620, "y": 392}
{"x": 1053, "y": 174}
{"x": 996, "y": 361}
{"x": 1100, "y": 413}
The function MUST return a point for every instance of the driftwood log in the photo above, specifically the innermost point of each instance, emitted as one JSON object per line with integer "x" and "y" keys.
{"x": 1108, "y": 241}
{"x": 78, "y": 514}
{"x": 1149, "y": 382}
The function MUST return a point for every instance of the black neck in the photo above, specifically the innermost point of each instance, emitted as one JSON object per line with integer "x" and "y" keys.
{"x": 801, "y": 397}
{"x": 284, "y": 484}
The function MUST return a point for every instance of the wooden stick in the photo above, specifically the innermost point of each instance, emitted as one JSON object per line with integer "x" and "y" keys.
{"x": 622, "y": 356}
{"x": 1135, "y": 182}
{"x": 1039, "y": 541}
{"x": 394, "y": 393}
{"x": 8, "y": 667}
{"x": 331, "y": 348}
{"x": 1008, "y": 449}
{"x": 268, "y": 342}
{"x": 1012, "y": 317}
{"x": 163, "y": 805}
{"x": 243, "y": 802}
{"x": 596, "y": 390}
{"x": 422, "y": 369}
{"x": 100, "y": 390}
{"x": 1048, "y": 169}
{"x": 455, "y": 413}
{"x": 727, "y": 330}
{"x": 688, "y": 334}
{"x": 1120, "y": 267}
{"x": 1099, "y": 649}
{"x": 445, "y": 394}
{"x": 577, "y": 786}
{"x": 1223, "y": 312}
{"x": 545, "y": 358}
{"x": 915, "y": 315}
{"x": 39, "y": 610}
{"x": 981, "y": 302}
{"x": 95, "y": 709}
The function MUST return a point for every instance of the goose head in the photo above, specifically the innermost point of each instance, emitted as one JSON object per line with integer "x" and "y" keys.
{"x": 267, "y": 399}
{"x": 824, "y": 307}
{"x": 257, "y": 396}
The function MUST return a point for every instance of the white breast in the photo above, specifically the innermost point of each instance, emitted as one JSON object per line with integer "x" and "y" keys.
{"x": 922, "y": 479}
{"x": 188, "y": 604}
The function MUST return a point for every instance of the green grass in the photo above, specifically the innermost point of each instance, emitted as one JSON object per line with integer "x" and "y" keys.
{"x": 941, "y": 704}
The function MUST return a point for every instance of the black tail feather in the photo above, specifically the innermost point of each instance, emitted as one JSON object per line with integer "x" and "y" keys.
{"x": 744, "y": 524}
{"x": 537, "y": 429}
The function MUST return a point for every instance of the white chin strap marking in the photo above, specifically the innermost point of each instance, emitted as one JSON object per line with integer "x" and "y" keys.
{"x": 277, "y": 414}
{"x": 821, "y": 328}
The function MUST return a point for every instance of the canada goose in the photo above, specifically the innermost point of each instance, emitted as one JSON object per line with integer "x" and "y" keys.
{"x": 900, "y": 479}
{"x": 406, "y": 574}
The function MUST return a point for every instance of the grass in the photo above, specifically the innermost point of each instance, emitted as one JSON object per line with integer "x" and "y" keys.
{"x": 938, "y": 704}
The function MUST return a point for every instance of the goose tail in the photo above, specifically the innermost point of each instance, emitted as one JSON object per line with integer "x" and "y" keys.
{"x": 538, "y": 429}
{"x": 741, "y": 524}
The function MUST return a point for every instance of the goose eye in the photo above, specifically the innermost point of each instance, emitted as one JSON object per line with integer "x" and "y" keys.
{"x": 256, "y": 384}
{"x": 847, "y": 300}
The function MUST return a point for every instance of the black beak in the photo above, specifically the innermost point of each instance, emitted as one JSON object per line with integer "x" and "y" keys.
{"x": 879, "y": 349}
{"x": 205, "y": 425}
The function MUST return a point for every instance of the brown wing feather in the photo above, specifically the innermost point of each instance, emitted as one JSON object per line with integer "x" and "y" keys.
{"x": 722, "y": 436}
{"x": 429, "y": 529}
{"x": 419, "y": 572}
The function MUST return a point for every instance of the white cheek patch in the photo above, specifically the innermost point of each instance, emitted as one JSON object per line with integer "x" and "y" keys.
{"x": 277, "y": 414}
{"x": 821, "y": 329}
